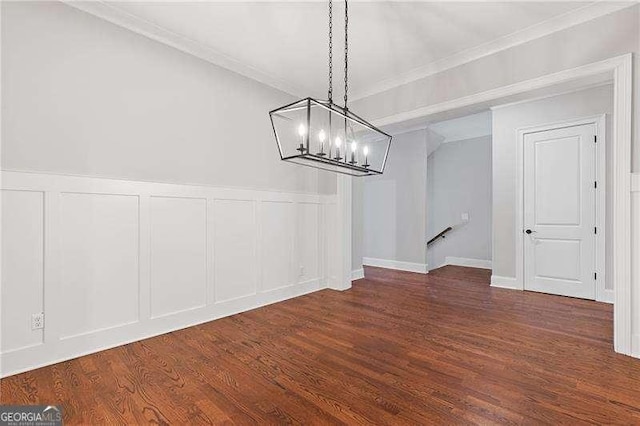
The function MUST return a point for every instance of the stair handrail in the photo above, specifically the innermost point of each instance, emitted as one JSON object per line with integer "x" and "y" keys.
{"x": 440, "y": 235}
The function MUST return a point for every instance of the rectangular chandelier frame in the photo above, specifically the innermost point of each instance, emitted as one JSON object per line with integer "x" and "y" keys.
{"x": 312, "y": 115}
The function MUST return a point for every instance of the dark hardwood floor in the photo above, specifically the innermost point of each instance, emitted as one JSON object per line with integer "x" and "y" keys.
{"x": 398, "y": 348}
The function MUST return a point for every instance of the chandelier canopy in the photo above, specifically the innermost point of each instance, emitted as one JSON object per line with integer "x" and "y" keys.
{"x": 324, "y": 135}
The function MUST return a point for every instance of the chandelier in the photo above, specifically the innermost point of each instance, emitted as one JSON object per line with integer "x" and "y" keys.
{"x": 324, "y": 135}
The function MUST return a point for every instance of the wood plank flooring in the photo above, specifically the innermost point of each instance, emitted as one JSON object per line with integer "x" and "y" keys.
{"x": 398, "y": 348}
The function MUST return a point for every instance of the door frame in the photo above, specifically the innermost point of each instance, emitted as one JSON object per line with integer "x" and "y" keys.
{"x": 619, "y": 69}
{"x": 599, "y": 121}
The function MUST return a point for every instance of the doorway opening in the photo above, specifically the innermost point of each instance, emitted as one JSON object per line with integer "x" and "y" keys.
{"x": 615, "y": 72}
{"x": 459, "y": 205}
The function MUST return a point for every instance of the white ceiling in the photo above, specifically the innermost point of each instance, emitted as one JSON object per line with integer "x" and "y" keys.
{"x": 284, "y": 44}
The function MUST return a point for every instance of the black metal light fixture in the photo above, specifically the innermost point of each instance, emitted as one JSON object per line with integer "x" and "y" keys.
{"x": 321, "y": 134}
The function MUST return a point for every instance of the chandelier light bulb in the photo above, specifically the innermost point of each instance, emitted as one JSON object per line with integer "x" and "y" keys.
{"x": 322, "y": 136}
{"x": 365, "y": 150}
{"x": 338, "y": 142}
{"x": 354, "y": 146}
{"x": 302, "y": 130}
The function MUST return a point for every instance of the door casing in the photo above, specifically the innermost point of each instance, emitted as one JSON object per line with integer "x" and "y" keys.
{"x": 602, "y": 294}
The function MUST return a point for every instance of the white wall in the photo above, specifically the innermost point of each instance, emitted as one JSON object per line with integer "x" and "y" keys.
{"x": 506, "y": 121}
{"x": 459, "y": 181}
{"x": 147, "y": 237}
{"x": 394, "y": 205}
{"x": 82, "y": 96}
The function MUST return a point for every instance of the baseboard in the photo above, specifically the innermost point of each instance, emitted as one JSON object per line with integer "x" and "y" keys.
{"x": 607, "y": 296}
{"x": 357, "y": 274}
{"x": 505, "y": 282}
{"x": 420, "y": 268}
{"x": 635, "y": 182}
{"x": 512, "y": 283}
{"x": 468, "y": 262}
{"x": 635, "y": 346}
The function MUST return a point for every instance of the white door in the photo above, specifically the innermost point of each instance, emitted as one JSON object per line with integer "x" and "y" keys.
{"x": 559, "y": 211}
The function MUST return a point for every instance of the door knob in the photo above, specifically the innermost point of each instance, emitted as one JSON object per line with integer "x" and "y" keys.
{"x": 528, "y": 231}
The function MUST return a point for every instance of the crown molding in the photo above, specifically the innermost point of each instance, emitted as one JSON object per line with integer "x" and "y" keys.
{"x": 555, "y": 24}
{"x": 108, "y": 12}
{"x": 114, "y": 15}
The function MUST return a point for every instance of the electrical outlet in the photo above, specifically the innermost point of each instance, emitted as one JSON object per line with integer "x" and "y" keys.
{"x": 464, "y": 217}
{"x": 302, "y": 271}
{"x": 37, "y": 321}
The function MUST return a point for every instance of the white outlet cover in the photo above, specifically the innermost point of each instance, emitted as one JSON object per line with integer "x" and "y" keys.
{"x": 37, "y": 321}
{"x": 464, "y": 217}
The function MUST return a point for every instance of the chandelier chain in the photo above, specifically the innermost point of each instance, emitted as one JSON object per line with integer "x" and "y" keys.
{"x": 330, "y": 94}
{"x": 346, "y": 52}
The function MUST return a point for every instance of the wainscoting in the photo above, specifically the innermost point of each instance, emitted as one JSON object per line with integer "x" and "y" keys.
{"x": 114, "y": 261}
